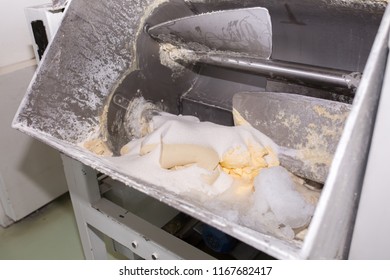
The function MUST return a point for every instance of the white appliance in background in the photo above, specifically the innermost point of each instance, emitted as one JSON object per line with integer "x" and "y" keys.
{"x": 43, "y": 22}
{"x": 31, "y": 173}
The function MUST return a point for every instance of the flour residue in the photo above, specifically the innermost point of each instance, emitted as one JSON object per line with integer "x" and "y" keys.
{"x": 98, "y": 147}
{"x": 290, "y": 121}
{"x": 218, "y": 167}
{"x": 169, "y": 56}
{"x": 317, "y": 150}
{"x": 336, "y": 117}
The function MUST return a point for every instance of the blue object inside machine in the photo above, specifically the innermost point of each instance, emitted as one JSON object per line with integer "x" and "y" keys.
{"x": 217, "y": 240}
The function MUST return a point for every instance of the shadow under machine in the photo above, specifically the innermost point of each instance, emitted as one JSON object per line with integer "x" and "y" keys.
{"x": 120, "y": 75}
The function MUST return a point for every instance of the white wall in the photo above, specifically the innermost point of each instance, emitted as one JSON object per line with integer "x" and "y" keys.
{"x": 15, "y": 40}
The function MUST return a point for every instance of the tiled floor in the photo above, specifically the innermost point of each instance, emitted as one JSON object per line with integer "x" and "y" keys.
{"x": 50, "y": 233}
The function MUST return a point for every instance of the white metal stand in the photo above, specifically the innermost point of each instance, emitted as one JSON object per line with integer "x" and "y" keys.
{"x": 97, "y": 217}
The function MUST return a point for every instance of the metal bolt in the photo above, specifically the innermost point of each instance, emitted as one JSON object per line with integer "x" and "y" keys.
{"x": 134, "y": 244}
{"x": 155, "y": 256}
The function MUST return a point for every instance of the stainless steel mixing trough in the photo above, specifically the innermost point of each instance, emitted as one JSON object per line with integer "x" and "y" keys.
{"x": 102, "y": 49}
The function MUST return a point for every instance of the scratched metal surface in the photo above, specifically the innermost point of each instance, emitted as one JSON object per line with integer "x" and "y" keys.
{"x": 89, "y": 54}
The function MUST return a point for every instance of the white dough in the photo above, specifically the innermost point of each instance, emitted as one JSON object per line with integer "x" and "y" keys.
{"x": 275, "y": 186}
{"x": 194, "y": 159}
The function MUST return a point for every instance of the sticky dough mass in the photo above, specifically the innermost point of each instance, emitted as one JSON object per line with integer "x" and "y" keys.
{"x": 183, "y": 141}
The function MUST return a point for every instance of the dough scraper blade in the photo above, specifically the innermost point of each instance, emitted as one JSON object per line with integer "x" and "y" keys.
{"x": 241, "y": 39}
{"x": 306, "y": 129}
{"x": 247, "y": 30}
